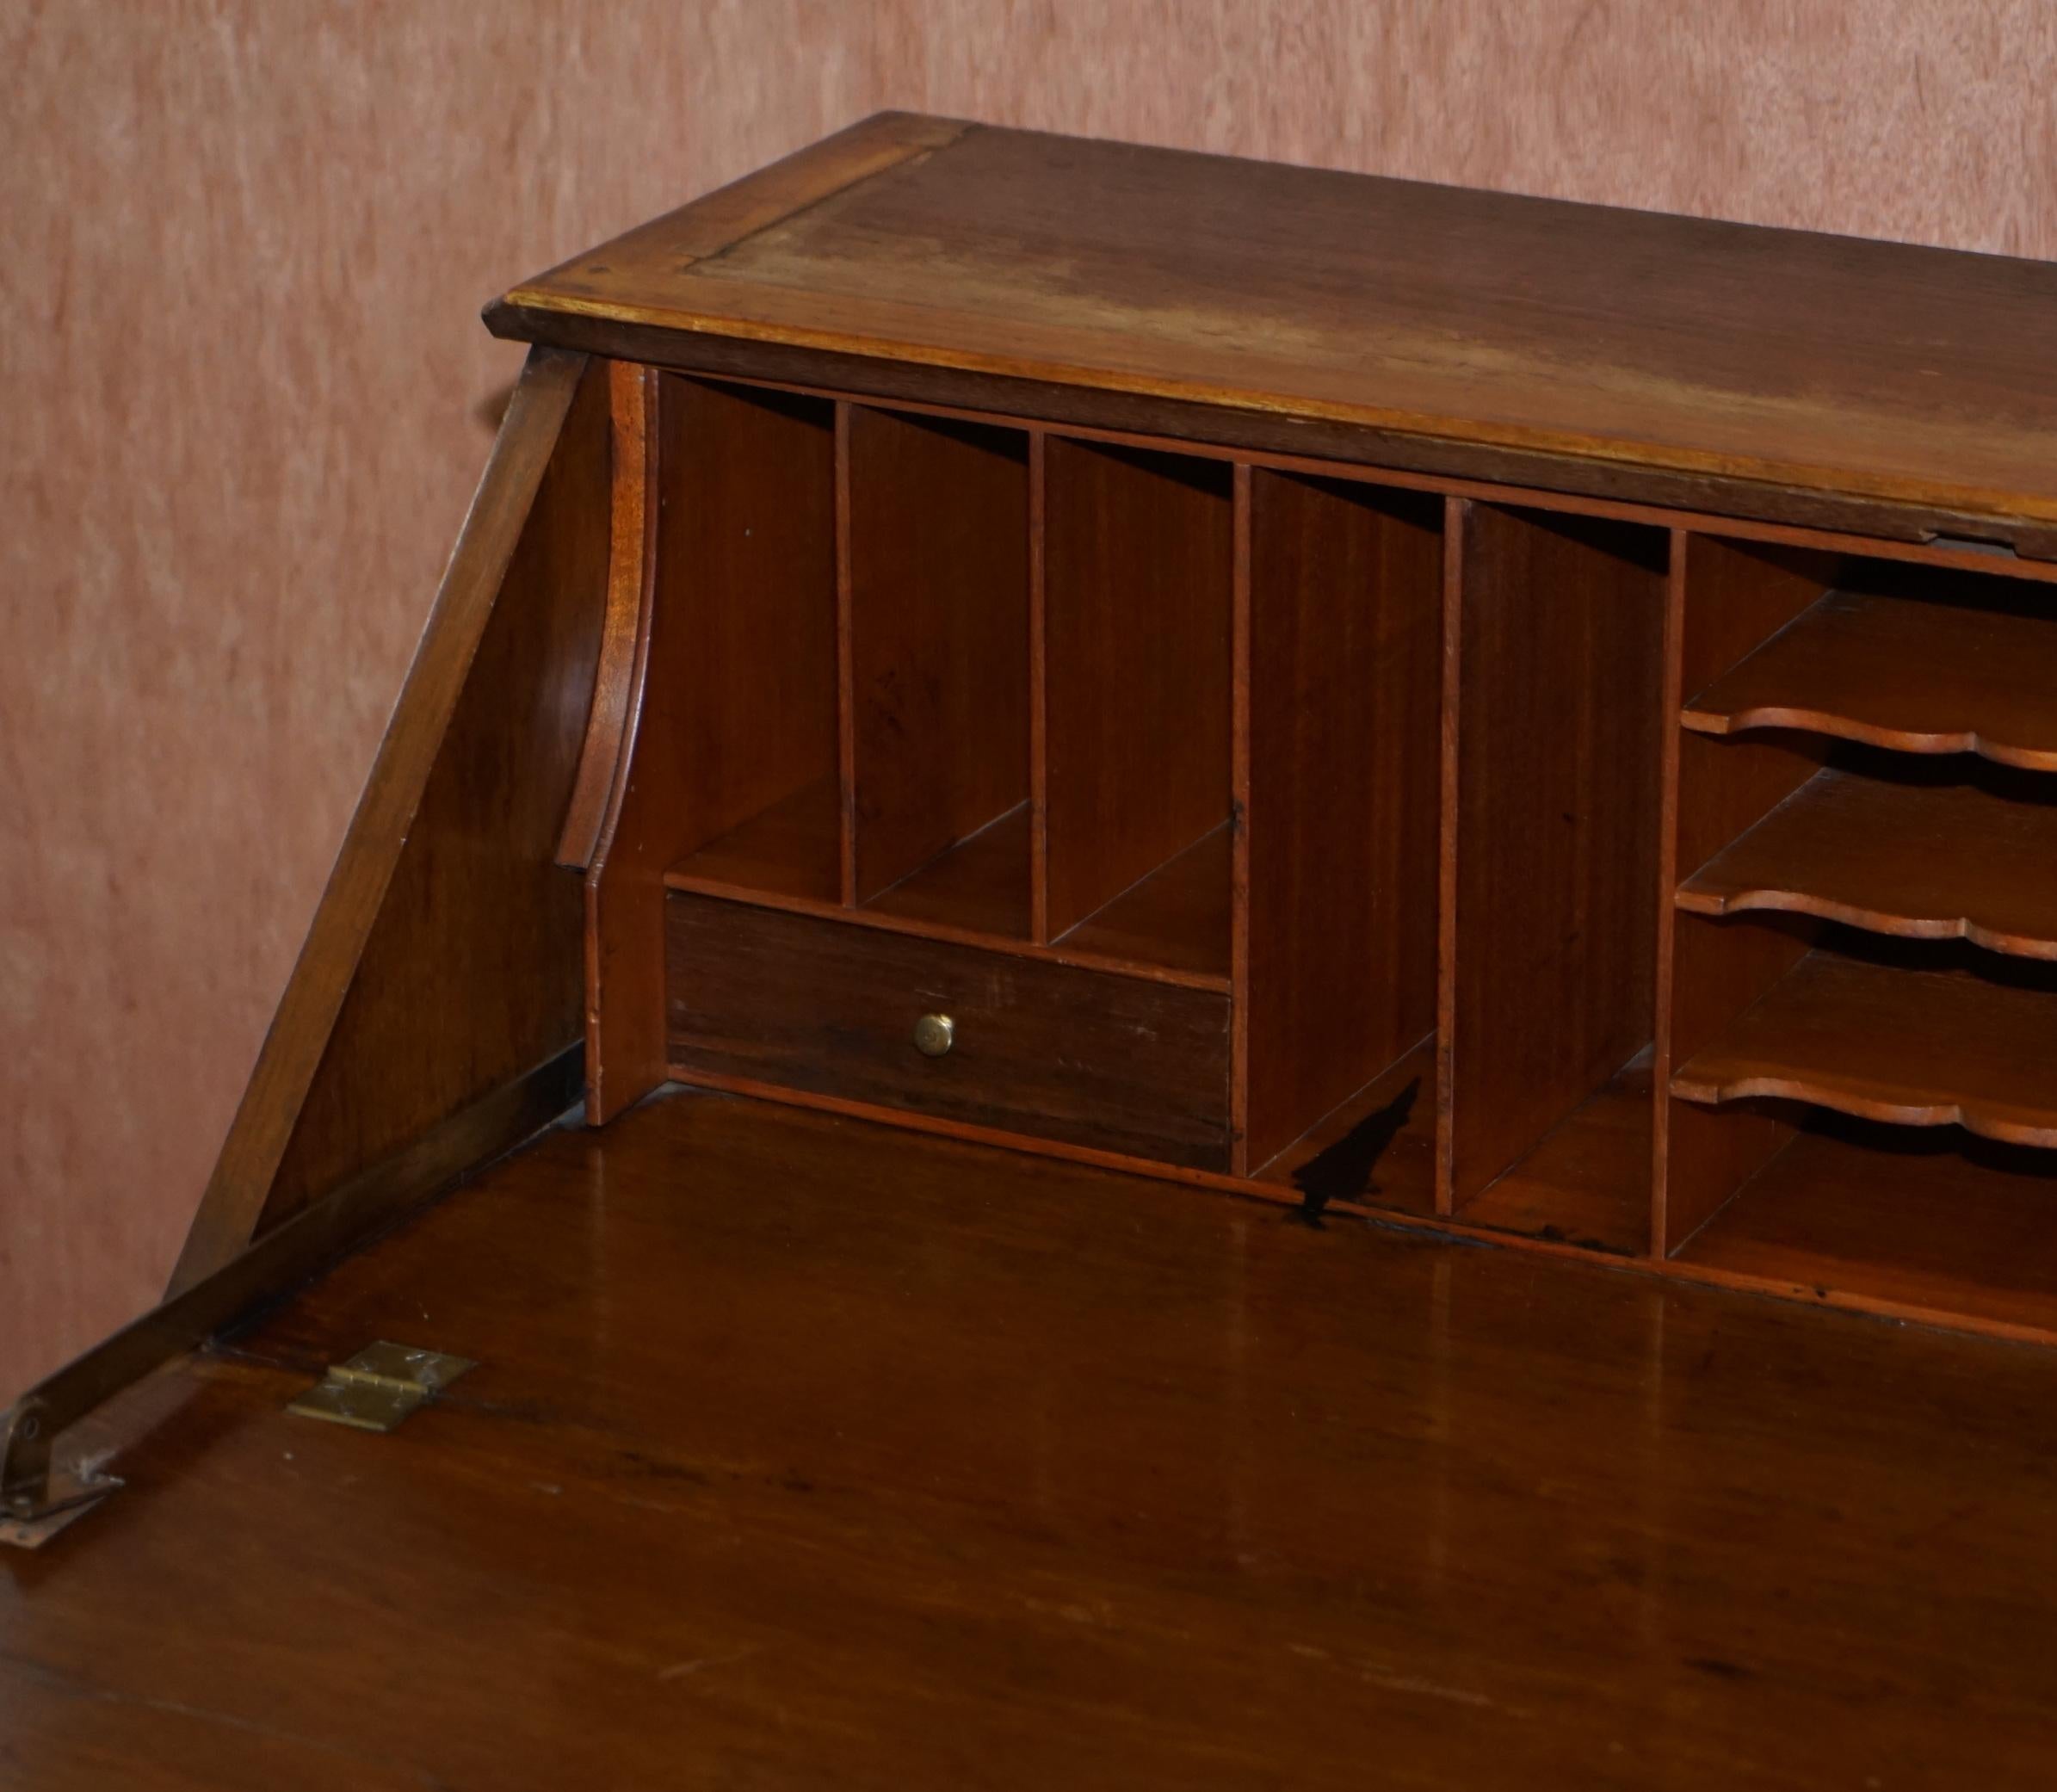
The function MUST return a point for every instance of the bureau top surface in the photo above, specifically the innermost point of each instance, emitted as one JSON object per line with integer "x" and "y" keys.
{"x": 1883, "y": 371}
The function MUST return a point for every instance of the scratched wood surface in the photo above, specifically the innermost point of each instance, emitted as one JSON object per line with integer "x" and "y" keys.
{"x": 1478, "y": 318}
{"x": 860, "y": 1461}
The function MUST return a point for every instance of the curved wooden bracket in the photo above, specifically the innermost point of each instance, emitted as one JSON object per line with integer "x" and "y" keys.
{"x": 632, "y": 559}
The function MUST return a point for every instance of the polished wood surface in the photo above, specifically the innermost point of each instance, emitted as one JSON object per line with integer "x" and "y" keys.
{"x": 1116, "y": 1064}
{"x": 1946, "y": 859}
{"x": 1477, "y": 317}
{"x": 1917, "y": 674}
{"x": 801, "y": 1454}
{"x": 1886, "y": 1041}
{"x": 495, "y": 700}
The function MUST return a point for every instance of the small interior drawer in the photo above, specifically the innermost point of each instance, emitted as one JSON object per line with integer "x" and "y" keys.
{"x": 1119, "y": 1064}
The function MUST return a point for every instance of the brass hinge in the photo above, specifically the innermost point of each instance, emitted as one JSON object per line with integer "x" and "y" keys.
{"x": 37, "y": 1498}
{"x": 379, "y": 1386}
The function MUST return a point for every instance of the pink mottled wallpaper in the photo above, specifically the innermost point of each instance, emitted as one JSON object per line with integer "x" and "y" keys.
{"x": 244, "y": 394}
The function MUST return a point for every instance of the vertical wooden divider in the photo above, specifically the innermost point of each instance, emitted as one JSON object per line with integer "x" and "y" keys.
{"x": 1456, "y": 517}
{"x": 1733, "y": 599}
{"x": 1240, "y": 821}
{"x": 1667, "y": 886}
{"x": 1038, "y": 709}
{"x": 846, "y": 669}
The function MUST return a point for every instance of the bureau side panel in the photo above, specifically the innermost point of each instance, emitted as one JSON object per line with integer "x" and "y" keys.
{"x": 473, "y": 975}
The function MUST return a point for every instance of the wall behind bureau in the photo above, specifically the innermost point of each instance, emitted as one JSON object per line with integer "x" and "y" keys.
{"x": 243, "y": 395}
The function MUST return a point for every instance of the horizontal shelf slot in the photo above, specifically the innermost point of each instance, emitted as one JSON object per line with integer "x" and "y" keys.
{"x": 1177, "y": 916}
{"x": 1587, "y": 1181}
{"x": 978, "y": 885}
{"x": 1917, "y": 674}
{"x": 1377, "y": 1149}
{"x": 1914, "y": 1047}
{"x": 1931, "y": 859}
{"x": 1924, "y": 1223}
{"x": 790, "y": 849}
{"x": 972, "y": 895}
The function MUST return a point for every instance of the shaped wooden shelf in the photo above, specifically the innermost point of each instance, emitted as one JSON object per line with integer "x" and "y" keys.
{"x": 1918, "y": 860}
{"x": 1916, "y": 676}
{"x": 1915, "y": 1048}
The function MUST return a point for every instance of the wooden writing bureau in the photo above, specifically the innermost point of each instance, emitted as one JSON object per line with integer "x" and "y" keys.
{"x": 1516, "y": 718}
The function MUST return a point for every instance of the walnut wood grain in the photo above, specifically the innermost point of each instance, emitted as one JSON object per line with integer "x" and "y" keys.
{"x": 1923, "y": 861}
{"x": 545, "y": 637}
{"x": 1118, "y": 1064}
{"x": 1916, "y": 676}
{"x": 1769, "y": 355}
{"x": 1883, "y": 1041}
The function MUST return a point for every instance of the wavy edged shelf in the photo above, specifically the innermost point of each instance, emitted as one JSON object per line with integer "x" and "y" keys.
{"x": 1881, "y": 1042}
{"x": 1919, "y": 861}
{"x": 1916, "y": 675}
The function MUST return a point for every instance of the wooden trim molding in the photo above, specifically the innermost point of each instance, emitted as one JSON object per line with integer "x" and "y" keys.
{"x": 604, "y": 760}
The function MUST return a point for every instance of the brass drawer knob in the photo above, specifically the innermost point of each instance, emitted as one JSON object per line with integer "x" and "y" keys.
{"x": 934, "y": 1034}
